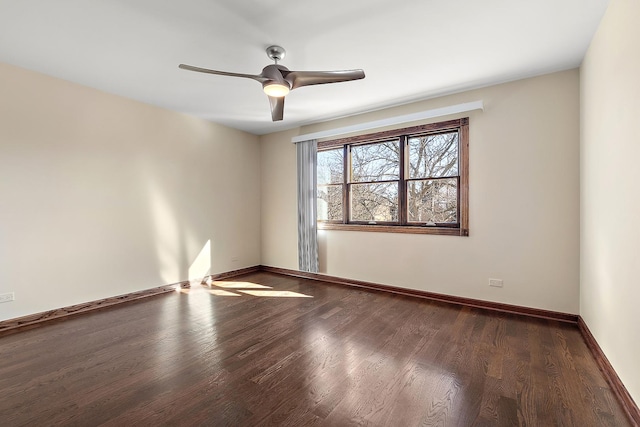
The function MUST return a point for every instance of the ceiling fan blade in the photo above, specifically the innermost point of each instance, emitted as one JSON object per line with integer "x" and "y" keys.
{"x": 258, "y": 78}
{"x": 277, "y": 108}
{"x": 308, "y": 78}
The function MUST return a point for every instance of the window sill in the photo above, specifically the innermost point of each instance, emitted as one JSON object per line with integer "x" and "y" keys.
{"x": 404, "y": 229}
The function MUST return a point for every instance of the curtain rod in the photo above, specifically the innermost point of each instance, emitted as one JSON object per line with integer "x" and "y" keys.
{"x": 427, "y": 114}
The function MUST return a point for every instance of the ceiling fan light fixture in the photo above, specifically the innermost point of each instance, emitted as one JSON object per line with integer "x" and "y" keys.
{"x": 276, "y": 90}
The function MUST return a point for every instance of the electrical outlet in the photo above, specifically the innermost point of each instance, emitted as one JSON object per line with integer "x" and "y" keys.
{"x": 7, "y": 297}
{"x": 496, "y": 283}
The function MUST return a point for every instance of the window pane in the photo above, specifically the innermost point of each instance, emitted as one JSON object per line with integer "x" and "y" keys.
{"x": 433, "y": 200}
{"x": 330, "y": 203}
{"x": 433, "y": 156}
{"x": 375, "y": 162}
{"x": 374, "y": 202}
{"x": 330, "y": 166}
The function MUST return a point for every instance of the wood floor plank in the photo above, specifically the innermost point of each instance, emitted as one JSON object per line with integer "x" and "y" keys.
{"x": 300, "y": 352}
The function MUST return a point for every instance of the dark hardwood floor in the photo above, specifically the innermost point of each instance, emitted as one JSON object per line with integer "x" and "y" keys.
{"x": 326, "y": 355}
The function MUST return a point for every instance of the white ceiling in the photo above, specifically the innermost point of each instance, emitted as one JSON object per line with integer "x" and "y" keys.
{"x": 409, "y": 49}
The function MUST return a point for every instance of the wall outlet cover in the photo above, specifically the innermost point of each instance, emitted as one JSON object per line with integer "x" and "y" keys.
{"x": 496, "y": 283}
{"x": 7, "y": 297}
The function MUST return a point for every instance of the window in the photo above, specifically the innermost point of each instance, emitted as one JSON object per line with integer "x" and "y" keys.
{"x": 412, "y": 180}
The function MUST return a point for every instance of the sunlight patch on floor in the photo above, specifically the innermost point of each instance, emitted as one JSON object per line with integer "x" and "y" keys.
{"x": 223, "y": 293}
{"x": 240, "y": 285}
{"x": 238, "y": 289}
{"x": 281, "y": 294}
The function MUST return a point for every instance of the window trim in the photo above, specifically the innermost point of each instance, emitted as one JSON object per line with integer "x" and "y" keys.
{"x": 462, "y": 229}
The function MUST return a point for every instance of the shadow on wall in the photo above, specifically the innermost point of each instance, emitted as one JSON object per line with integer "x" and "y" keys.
{"x": 322, "y": 251}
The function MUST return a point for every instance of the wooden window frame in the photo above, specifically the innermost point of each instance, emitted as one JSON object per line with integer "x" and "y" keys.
{"x": 461, "y": 228}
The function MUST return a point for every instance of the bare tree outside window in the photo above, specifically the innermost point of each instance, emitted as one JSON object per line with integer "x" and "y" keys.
{"x": 330, "y": 184}
{"x": 433, "y": 201}
{"x": 375, "y": 162}
{"x": 377, "y": 167}
{"x": 374, "y": 202}
{"x": 431, "y": 196}
{"x": 413, "y": 180}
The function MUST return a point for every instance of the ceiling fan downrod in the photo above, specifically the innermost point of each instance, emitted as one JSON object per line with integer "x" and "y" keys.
{"x": 277, "y": 53}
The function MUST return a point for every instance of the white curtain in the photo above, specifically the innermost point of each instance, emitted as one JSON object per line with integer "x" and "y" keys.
{"x": 307, "y": 188}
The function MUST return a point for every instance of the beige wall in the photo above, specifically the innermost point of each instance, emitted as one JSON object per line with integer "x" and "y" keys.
{"x": 524, "y": 184}
{"x": 279, "y": 212}
{"x": 610, "y": 206}
{"x": 101, "y": 196}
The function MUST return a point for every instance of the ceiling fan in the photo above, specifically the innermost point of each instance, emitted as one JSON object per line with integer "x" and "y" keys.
{"x": 277, "y": 80}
